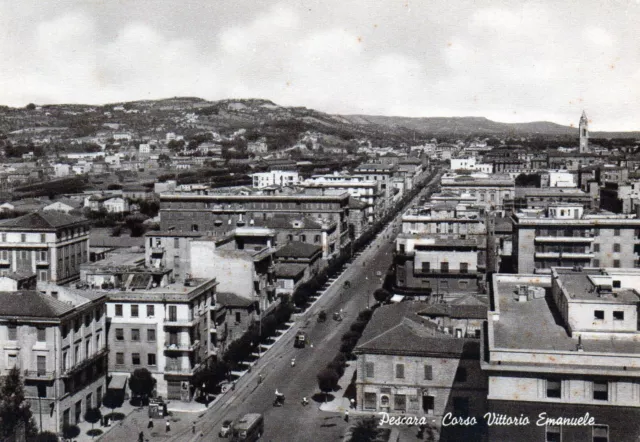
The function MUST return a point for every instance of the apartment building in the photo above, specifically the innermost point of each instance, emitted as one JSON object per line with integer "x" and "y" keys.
{"x": 275, "y": 178}
{"x": 565, "y": 235}
{"x": 51, "y": 245}
{"x": 163, "y": 325}
{"x": 432, "y": 372}
{"x": 565, "y": 344}
{"x": 620, "y": 197}
{"x": 541, "y": 198}
{"x": 368, "y": 191}
{"x": 488, "y": 189}
{"x": 382, "y": 173}
{"x": 222, "y": 213}
{"x": 445, "y": 218}
{"x": 169, "y": 250}
{"x": 58, "y": 342}
{"x": 446, "y": 266}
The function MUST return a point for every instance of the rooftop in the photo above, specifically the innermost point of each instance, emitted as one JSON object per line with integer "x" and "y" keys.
{"x": 47, "y": 220}
{"x": 583, "y": 284}
{"x": 297, "y": 249}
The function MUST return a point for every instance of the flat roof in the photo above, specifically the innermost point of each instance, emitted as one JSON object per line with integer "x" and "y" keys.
{"x": 532, "y": 325}
{"x": 581, "y": 285}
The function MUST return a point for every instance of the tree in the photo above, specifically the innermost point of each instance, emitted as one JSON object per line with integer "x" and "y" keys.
{"x": 70, "y": 431}
{"x": 327, "y": 381}
{"x": 15, "y": 411}
{"x": 365, "y": 430}
{"x": 30, "y": 107}
{"x": 46, "y": 436}
{"x": 92, "y": 416}
{"x": 113, "y": 400}
{"x": 142, "y": 383}
{"x": 381, "y": 295}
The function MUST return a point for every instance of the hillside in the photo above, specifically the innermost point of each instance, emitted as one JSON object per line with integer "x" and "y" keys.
{"x": 281, "y": 126}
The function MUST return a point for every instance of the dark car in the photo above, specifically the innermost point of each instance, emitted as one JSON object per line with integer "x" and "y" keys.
{"x": 225, "y": 429}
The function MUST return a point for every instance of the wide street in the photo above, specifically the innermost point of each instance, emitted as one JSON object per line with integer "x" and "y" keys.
{"x": 293, "y": 422}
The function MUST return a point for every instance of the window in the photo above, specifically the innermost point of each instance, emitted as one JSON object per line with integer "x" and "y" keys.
{"x": 616, "y": 263}
{"x": 119, "y": 334}
{"x": 369, "y": 369}
{"x": 461, "y": 375}
{"x": 596, "y": 263}
{"x": 428, "y": 372}
{"x": 554, "y": 388}
{"x": 23, "y": 237}
{"x": 119, "y": 310}
{"x": 399, "y": 402}
{"x": 41, "y": 334}
{"x": 616, "y": 284}
{"x": 135, "y": 358}
{"x": 176, "y": 243}
{"x": 151, "y": 359}
{"x": 134, "y": 310}
{"x": 428, "y": 404}
{"x": 464, "y": 267}
{"x": 12, "y": 361}
{"x": 616, "y": 232}
{"x": 194, "y": 227}
{"x": 616, "y": 247}
{"x": 43, "y": 237}
{"x": 600, "y": 433}
{"x": 601, "y": 391}
{"x": 370, "y": 401}
{"x": 87, "y": 319}
{"x": 42, "y": 390}
{"x": 426, "y": 267}
{"x": 151, "y": 334}
{"x": 151, "y": 311}
{"x": 238, "y": 318}
{"x": 317, "y": 239}
{"x": 12, "y": 333}
{"x": 598, "y": 314}
{"x": 618, "y": 316}
{"x": 399, "y": 371}
{"x": 553, "y": 434}
{"x": 596, "y": 247}
{"x": 596, "y": 231}
{"x": 135, "y": 334}
{"x": 444, "y": 267}
{"x": 41, "y": 362}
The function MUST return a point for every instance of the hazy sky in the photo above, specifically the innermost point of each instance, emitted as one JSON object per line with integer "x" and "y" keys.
{"x": 505, "y": 60}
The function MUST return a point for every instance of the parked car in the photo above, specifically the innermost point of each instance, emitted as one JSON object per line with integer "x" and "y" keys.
{"x": 301, "y": 340}
{"x": 225, "y": 429}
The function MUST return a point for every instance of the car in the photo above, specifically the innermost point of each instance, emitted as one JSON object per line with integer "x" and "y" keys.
{"x": 378, "y": 273}
{"x": 225, "y": 429}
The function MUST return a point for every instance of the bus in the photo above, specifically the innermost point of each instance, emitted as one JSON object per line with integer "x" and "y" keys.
{"x": 249, "y": 428}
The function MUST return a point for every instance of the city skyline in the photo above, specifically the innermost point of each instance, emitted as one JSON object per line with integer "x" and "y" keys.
{"x": 511, "y": 63}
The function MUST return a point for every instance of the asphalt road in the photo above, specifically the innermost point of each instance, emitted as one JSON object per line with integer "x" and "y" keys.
{"x": 293, "y": 422}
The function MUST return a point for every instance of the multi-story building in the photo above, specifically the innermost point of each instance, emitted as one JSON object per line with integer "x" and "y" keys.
{"x": 489, "y": 189}
{"x": 565, "y": 235}
{"x": 222, "y": 213}
{"x": 470, "y": 163}
{"x": 445, "y": 218}
{"x": 58, "y": 342}
{"x": 368, "y": 191}
{"x": 382, "y": 173}
{"x": 408, "y": 364}
{"x": 169, "y": 250}
{"x": 541, "y": 198}
{"x": 441, "y": 265}
{"x": 50, "y": 244}
{"x": 164, "y": 326}
{"x": 565, "y": 346}
{"x": 275, "y": 178}
{"x": 620, "y": 197}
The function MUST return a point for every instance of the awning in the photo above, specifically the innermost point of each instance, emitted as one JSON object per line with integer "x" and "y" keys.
{"x": 397, "y": 298}
{"x": 118, "y": 381}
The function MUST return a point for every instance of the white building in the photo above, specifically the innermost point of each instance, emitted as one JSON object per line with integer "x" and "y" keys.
{"x": 275, "y": 178}
{"x": 61, "y": 170}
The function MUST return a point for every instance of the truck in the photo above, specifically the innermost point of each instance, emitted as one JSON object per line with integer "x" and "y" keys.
{"x": 248, "y": 428}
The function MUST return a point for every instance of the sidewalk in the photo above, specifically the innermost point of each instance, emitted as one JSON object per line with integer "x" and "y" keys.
{"x": 341, "y": 403}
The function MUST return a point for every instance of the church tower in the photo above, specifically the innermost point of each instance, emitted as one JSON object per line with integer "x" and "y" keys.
{"x": 584, "y": 133}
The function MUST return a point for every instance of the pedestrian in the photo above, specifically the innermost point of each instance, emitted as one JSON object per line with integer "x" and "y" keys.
{"x": 150, "y": 423}
{"x": 141, "y": 437}
{"x": 193, "y": 428}
{"x": 167, "y": 426}
{"x": 353, "y": 403}
{"x": 346, "y": 415}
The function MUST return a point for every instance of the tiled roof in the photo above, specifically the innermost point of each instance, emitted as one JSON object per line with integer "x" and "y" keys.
{"x": 398, "y": 329}
{"x": 290, "y": 270}
{"x": 42, "y": 220}
{"x": 32, "y": 304}
{"x": 233, "y": 300}
{"x": 355, "y": 203}
{"x": 297, "y": 249}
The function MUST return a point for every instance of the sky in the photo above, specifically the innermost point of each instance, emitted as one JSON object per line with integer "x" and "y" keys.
{"x": 508, "y": 61}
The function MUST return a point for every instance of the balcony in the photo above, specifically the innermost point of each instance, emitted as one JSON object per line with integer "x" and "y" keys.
{"x": 41, "y": 262}
{"x": 41, "y": 375}
{"x": 86, "y": 362}
{"x": 157, "y": 250}
{"x": 440, "y": 272}
{"x": 181, "y": 346}
{"x": 578, "y": 255}
{"x": 547, "y": 255}
{"x": 567, "y": 239}
{"x": 169, "y": 369}
{"x": 176, "y": 322}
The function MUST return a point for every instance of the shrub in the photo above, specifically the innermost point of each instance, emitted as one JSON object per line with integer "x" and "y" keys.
{"x": 70, "y": 431}
{"x": 46, "y": 436}
{"x": 327, "y": 380}
{"x": 94, "y": 432}
{"x": 358, "y": 326}
{"x": 351, "y": 335}
{"x": 365, "y": 315}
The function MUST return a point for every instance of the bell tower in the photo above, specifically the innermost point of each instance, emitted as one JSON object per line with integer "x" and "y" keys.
{"x": 584, "y": 133}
